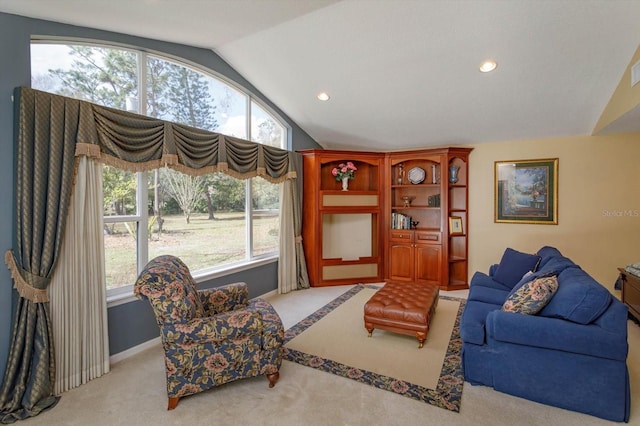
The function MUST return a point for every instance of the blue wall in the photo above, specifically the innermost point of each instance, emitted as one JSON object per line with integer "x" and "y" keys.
{"x": 132, "y": 323}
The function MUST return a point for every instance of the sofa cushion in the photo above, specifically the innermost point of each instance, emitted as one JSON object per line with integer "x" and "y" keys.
{"x": 492, "y": 269}
{"x": 530, "y": 298}
{"x": 514, "y": 265}
{"x": 552, "y": 260}
{"x": 579, "y": 298}
{"x": 558, "y": 264}
{"x": 546, "y": 253}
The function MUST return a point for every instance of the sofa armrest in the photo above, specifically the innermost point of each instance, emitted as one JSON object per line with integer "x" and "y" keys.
{"x": 557, "y": 334}
{"x": 224, "y": 298}
{"x": 233, "y": 325}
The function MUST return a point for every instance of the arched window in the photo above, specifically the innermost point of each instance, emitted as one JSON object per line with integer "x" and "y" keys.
{"x": 215, "y": 223}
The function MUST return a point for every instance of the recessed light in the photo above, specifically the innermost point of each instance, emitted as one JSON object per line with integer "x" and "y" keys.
{"x": 488, "y": 66}
{"x": 323, "y": 96}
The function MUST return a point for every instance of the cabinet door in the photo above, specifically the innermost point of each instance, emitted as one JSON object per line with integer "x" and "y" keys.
{"x": 428, "y": 263}
{"x": 401, "y": 261}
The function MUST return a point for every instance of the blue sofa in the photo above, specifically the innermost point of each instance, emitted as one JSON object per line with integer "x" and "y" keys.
{"x": 571, "y": 354}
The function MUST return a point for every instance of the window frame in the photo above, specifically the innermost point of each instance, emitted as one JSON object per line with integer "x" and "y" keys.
{"x": 124, "y": 294}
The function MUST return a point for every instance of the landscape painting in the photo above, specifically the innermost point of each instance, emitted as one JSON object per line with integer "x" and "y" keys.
{"x": 526, "y": 191}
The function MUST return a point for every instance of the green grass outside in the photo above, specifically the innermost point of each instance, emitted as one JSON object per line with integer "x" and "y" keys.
{"x": 201, "y": 244}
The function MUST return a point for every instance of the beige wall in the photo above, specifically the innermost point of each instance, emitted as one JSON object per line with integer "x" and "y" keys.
{"x": 624, "y": 98}
{"x": 598, "y": 203}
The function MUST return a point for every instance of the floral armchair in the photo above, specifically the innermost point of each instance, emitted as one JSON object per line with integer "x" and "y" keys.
{"x": 210, "y": 337}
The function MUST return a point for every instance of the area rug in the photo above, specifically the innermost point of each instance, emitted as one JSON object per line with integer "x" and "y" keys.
{"x": 333, "y": 339}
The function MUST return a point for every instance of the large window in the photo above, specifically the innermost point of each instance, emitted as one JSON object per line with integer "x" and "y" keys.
{"x": 212, "y": 222}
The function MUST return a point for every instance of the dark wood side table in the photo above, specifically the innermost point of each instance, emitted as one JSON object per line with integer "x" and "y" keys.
{"x": 631, "y": 292}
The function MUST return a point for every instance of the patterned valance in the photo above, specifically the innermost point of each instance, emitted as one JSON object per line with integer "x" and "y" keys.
{"x": 135, "y": 142}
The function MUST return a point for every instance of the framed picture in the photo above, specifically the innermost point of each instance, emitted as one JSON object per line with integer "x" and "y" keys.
{"x": 455, "y": 225}
{"x": 526, "y": 191}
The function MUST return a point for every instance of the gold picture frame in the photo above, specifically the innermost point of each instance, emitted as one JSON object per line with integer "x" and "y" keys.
{"x": 455, "y": 225}
{"x": 526, "y": 191}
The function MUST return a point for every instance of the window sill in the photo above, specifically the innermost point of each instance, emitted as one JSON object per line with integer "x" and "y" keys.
{"x": 124, "y": 295}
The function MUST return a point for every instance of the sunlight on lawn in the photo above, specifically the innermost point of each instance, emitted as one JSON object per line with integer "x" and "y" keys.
{"x": 201, "y": 244}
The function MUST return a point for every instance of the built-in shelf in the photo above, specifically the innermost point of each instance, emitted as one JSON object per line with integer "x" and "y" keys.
{"x": 422, "y": 250}
{"x": 329, "y": 214}
{"x": 440, "y": 258}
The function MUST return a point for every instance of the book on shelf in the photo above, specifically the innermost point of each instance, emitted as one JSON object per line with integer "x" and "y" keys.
{"x": 400, "y": 221}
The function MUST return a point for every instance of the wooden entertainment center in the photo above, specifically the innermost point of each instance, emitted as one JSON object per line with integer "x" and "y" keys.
{"x": 404, "y": 217}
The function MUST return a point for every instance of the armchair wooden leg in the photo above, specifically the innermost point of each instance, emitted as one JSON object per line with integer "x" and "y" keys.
{"x": 273, "y": 378}
{"x": 173, "y": 402}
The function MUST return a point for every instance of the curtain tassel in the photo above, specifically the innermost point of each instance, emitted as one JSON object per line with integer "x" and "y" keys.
{"x": 25, "y": 290}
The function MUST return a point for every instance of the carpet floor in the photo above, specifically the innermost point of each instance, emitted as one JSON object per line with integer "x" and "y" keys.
{"x": 333, "y": 339}
{"x": 134, "y": 393}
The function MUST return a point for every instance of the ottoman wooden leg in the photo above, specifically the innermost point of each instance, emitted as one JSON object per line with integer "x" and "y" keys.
{"x": 369, "y": 328}
{"x": 422, "y": 337}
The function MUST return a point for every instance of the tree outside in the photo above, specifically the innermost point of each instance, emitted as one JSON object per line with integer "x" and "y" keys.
{"x": 180, "y": 94}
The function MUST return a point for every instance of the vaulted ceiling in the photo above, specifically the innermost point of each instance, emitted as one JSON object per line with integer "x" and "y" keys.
{"x": 400, "y": 73}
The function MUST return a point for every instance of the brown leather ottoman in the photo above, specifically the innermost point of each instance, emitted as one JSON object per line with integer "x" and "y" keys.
{"x": 402, "y": 307}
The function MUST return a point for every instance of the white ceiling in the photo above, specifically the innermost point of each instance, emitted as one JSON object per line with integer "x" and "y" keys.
{"x": 401, "y": 73}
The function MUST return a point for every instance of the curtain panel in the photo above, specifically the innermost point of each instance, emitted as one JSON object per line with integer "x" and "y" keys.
{"x": 292, "y": 267}
{"x": 137, "y": 143}
{"x": 51, "y": 131}
{"x": 78, "y": 291}
{"x": 47, "y": 129}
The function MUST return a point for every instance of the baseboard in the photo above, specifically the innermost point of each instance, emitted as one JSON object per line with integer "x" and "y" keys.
{"x": 269, "y": 294}
{"x": 134, "y": 350}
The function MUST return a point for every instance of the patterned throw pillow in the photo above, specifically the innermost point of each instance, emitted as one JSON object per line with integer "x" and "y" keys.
{"x": 530, "y": 276}
{"x": 532, "y": 297}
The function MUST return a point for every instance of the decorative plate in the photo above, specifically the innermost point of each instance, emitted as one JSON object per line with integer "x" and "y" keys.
{"x": 416, "y": 175}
